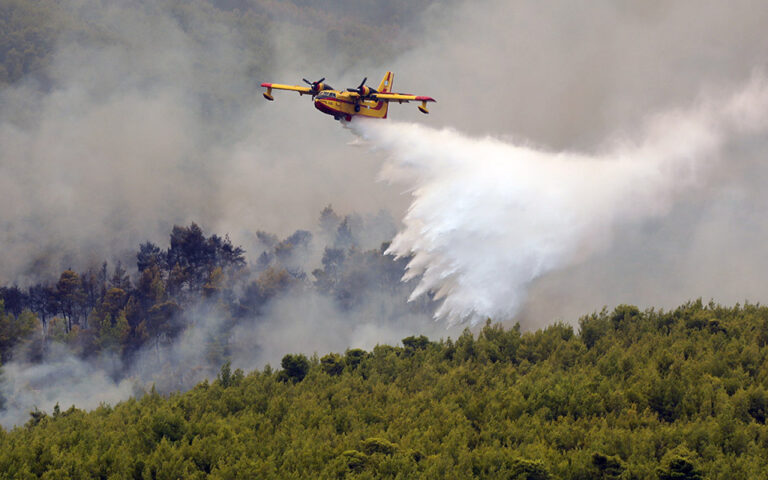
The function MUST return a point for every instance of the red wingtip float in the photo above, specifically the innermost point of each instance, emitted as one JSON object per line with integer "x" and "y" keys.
{"x": 344, "y": 104}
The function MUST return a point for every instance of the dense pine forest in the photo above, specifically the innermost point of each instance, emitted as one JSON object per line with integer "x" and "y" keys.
{"x": 670, "y": 395}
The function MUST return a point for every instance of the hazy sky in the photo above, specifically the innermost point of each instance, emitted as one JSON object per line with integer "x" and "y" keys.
{"x": 119, "y": 149}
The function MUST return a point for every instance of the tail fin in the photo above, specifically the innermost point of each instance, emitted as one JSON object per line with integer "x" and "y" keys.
{"x": 386, "y": 83}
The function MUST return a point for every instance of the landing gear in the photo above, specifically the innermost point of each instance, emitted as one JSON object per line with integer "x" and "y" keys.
{"x": 357, "y": 108}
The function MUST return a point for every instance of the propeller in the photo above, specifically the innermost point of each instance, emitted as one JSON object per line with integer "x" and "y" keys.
{"x": 316, "y": 86}
{"x": 363, "y": 90}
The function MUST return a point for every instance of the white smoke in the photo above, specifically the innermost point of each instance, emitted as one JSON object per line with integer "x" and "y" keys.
{"x": 488, "y": 216}
{"x": 62, "y": 379}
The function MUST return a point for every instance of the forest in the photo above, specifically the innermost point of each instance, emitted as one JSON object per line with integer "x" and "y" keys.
{"x": 679, "y": 394}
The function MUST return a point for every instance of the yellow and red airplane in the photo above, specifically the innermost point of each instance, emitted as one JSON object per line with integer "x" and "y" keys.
{"x": 344, "y": 104}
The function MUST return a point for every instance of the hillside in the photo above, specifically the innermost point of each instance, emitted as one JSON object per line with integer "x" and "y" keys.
{"x": 678, "y": 394}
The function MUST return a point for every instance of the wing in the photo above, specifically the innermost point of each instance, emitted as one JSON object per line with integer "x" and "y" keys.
{"x": 294, "y": 88}
{"x": 401, "y": 97}
{"x": 404, "y": 98}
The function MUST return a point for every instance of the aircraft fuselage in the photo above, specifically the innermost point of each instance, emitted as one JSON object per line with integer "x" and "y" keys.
{"x": 340, "y": 105}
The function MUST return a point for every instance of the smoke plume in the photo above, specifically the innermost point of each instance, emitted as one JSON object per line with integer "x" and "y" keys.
{"x": 489, "y": 217}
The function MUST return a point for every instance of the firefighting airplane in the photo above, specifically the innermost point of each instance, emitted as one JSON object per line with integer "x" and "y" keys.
{"x": 343, "y": 105}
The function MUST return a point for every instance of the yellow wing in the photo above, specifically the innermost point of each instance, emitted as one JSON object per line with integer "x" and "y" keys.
{"x": 401, "y": 97}
{"x": 294, "y": 88}
{"x": 404, "y": 98}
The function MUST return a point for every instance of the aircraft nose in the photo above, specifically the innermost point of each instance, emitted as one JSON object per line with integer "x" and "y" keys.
{"x": 320, "y": 105}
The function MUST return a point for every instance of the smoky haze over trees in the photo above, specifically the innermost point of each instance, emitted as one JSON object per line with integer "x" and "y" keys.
{"x": 197, "y": 303}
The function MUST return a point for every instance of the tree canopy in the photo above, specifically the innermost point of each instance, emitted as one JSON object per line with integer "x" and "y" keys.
{"x": 647, "y": 394}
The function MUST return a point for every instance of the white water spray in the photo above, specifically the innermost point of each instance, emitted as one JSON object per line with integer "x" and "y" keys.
{"x": 488, "y": 217}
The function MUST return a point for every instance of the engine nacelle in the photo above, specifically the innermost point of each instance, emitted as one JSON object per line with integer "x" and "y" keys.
{"x": 366, "y": 91}
{"x": 319, "y": 87}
